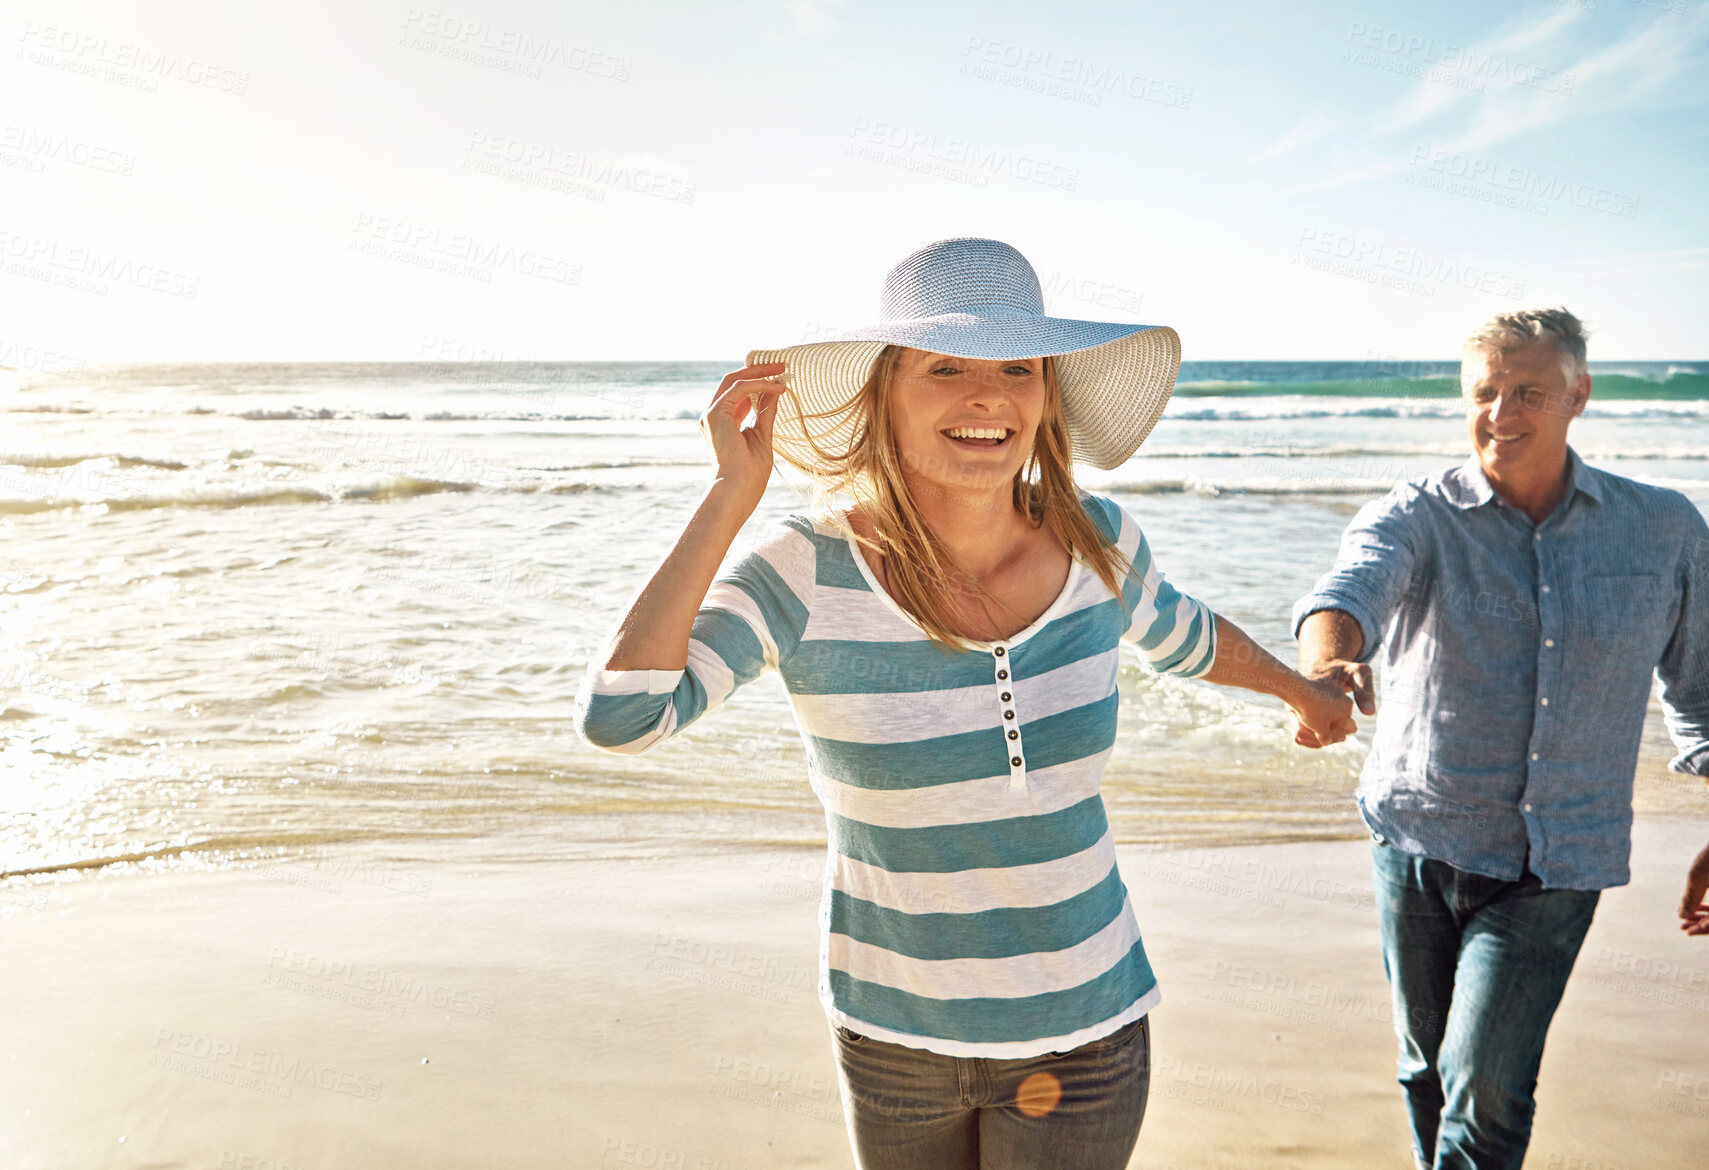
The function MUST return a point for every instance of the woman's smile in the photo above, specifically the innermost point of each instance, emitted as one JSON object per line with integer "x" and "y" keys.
{"x": 988, "y": 438}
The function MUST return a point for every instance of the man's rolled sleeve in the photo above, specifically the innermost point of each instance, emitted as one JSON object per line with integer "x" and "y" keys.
{"x": 1372, "y": 570}
{"x": 1684, "y": 666}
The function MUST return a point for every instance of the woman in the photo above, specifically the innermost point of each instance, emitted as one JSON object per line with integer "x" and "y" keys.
{"x": 950, "y": 644}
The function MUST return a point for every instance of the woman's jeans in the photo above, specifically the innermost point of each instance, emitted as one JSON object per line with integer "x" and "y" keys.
{"x": 909, "y": 1109}
{"x": 1477, "y": 967}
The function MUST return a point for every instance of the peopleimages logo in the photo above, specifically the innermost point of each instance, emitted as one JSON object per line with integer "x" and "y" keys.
{"x": 238, "y": 1063}
{"x": 1346, "y": 254}
{"x": 86, "y": 269}
{"x": 82, "y": 52}
{"x": 1073, "y": 78}
{"x": 40, "y": 147}
{"x": 530, "y": 160}
{"x": 463, "y": 255}
{"x": 968, "y": 158}
{"x": 1481, "y": 64}
{"x": 509, "y": 49}
{"x": 1483, "y": 177}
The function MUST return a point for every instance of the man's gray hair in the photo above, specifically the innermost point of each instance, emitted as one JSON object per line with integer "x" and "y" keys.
{"x": 1505, "y": 332}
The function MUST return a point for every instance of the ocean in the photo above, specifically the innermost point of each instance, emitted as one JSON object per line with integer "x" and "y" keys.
{"x": 262, "y": 616}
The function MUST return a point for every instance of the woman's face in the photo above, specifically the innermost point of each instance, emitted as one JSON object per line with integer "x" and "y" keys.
{"x": 935, "y": 398}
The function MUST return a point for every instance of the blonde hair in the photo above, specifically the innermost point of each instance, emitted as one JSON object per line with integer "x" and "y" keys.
{"x": 921, "y": 569}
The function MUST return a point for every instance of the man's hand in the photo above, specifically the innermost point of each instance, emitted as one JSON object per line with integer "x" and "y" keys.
{"x": 1325, "y": 716}
{"x": 1693, "y": 910}
{"x": 1330, "y": 644}
{"x": 1352, "y": 677}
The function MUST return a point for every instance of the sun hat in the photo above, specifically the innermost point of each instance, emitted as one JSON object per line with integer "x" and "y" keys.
{"x": 979, "y": 298}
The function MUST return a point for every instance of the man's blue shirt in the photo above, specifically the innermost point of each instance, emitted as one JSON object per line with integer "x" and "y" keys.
{"x": 1516, "y": 664}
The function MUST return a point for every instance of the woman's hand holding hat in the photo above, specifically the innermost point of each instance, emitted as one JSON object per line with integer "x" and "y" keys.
{"x": 743, "y": 455}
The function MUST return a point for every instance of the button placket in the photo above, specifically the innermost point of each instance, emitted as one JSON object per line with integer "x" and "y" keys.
{"x": 1548, "y": 619}
{"x": 1004, "y": 685}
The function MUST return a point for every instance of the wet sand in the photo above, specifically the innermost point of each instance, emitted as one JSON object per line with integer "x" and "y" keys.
{"x": 662, "y": 1013}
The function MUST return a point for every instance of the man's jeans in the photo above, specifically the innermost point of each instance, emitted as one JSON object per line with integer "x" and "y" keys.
{"x": 909, "y": 1109}
{"x": 1477, "y": 967}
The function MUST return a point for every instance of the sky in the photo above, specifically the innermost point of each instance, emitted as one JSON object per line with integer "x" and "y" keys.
{"x": 521, "y": 179}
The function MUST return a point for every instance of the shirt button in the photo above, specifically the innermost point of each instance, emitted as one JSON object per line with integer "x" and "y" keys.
{"x": 1548, "y": 641}
{"x": 1011, "y": 714}
{"x": 1013, "y": 734}
{"x": 1545, "y": 589}
{"x": 1545, "y": 701}
{"x": 1015, "y": 760}
{"x": 1002, "y": 674}
{"x": 998, "y": 652}
{"x": 1536, "y": 536}
{"x": 1005, "y": 696}
{"x": 1533, "y": 756}
{"x": 1527, "y": 808}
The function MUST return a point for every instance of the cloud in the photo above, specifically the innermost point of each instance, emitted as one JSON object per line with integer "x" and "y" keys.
{"x": 1308, "y": 129}
{"x": 1520, "y": 94}
{"x": 810, "y": 19}
{"x": 1429, "y": 98}
{"x": 1635, "y": 263}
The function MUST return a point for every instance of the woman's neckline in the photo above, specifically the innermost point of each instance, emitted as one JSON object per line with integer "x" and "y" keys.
{"x": 1014, "y": 639}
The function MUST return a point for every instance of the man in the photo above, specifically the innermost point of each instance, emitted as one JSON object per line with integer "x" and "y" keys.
{"x": 1520, "y": 602}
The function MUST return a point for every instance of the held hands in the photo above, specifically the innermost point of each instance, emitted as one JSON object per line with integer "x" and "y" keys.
{"x": 1325, "y": 714}
{"x": 1337, "y": 676}
{"x": 743, "y": 455}
{"x": 1693, "y": 909}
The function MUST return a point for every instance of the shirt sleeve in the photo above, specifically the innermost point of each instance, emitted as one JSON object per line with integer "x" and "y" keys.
{"x": 1175, "y": 633}
{"x": 751, "y": 621}
{"x": 1684, "y": 666}
{"x": 1372, "y": 570}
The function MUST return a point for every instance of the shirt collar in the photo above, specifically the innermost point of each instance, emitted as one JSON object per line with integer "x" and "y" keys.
{"x": 1466, "y": 486}
{"x": 1583, "y": 477}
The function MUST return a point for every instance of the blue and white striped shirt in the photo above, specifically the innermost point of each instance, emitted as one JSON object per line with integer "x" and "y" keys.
{"x": 972, "y": 904}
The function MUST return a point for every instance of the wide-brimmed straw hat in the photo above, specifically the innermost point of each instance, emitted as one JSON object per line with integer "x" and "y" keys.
{"x": 977, "y": 298}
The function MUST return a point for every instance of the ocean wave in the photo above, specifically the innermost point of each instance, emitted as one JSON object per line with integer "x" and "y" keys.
{"x": 1634, "y": 396}
{"x": 260, "y": 852}
{"x": 1347, "y": 470}
{"x": 404, "y": 487}
{"x": 1255, "y": 410}
{"x": 396, "y": 488}
{"x": 1455, "y": 450}
{"x": 1305, "y": 485}
{"x": 1656, "y": 376}
{"x": 577, "y": 488}
{"x": 1690, "y": 487}
{"x": 399, "y": 487}
{"x": 292, "y": 413}
{"x": 1316, "y": 485}
{"x": 1362, "y": 451}
{"x": 46, "y": 460}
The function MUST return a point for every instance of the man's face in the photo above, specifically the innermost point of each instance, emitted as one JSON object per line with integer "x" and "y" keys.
{"x": 1518, "y": 405}
{"x": 934, "y": 395}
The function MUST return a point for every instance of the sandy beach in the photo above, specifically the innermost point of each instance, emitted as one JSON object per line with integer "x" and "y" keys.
{"x": 661, "y": 1013}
